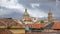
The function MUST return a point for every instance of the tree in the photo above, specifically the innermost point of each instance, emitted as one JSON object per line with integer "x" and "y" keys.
{"x": 42, "y": 21}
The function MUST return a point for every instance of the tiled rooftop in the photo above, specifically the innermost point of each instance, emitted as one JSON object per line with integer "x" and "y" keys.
{"x": 56, "y": 25}
{"x": 53, "y": 25}
{"x": 5, "y": 31}
{"x": 9, "y": 22}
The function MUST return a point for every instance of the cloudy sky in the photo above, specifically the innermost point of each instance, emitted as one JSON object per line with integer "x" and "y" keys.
{"x": 36, "y": 8}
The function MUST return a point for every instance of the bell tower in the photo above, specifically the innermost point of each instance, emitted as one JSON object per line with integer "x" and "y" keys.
{"x": 49, "y": 16}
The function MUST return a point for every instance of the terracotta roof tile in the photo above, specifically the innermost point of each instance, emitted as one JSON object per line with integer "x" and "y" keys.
{"x": 36, "y": 25}
{"x": 4, "y": 31}
{"x": 2, "y": 22}
{"x": 9, "y": 21}
{"x": 56, "y": 25}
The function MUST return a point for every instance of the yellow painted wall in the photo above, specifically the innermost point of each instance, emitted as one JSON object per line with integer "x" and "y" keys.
{"x": 18, "y": 31}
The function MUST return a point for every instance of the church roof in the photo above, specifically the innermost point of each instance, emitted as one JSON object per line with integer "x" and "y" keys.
{"x": 26, "y": 16}
{"x": 25, "y": 13}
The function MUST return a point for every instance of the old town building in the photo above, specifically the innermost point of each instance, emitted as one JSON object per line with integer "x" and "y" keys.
{"x": 27, "y": 24}
{"x": 9, "y": 26}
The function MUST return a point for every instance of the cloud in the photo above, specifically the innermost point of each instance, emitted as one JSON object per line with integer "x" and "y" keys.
{"x": 36, "y": 8}
{"x": 13, "y": 15}
{"x": 41, "y": 1}
{"x": 10, "y": 8}
{"x": 37, "y": 13}
{"x": 4, "y": 12}
{"x": 10, "y": 13}
{"x": 12, "y": 4}
{"x": 34, "y": 5}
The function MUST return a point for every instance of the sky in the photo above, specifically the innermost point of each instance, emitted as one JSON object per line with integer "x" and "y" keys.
{"x": 36, "y": 8}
